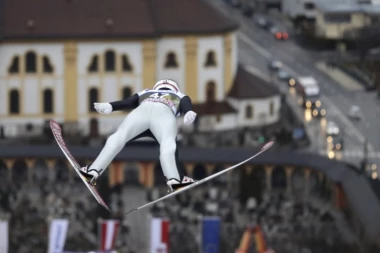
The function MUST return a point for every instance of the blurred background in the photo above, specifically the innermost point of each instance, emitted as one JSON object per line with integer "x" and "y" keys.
{"x": 304, "y": 73}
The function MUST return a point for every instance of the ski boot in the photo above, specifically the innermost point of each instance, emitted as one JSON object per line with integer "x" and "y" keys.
{"x": 90, "y": 175}
{"x": 175, "y": 184}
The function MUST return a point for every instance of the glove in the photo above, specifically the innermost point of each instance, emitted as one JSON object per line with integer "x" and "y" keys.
{"x": 189, "y": 117}
{"x": 103, "y": 108}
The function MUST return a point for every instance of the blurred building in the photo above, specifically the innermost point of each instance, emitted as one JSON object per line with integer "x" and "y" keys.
{"x": 250, "y": 102}
{"x": 58, "y": 59}
{"x": 333, "y": 20}
{"x": 299, "y": 11}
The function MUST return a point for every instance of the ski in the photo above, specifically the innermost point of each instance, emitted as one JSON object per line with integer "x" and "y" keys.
{"x": 197, "y": 183}
{"x": 57, "y": 132}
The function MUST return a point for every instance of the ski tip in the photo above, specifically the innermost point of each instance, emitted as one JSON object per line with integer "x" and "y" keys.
{"x": 55, "y": 125}
{"x": 268, "y": 145}
{"x": 130, "y": 211}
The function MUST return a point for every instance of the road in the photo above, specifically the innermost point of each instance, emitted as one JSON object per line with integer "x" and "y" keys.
{"x": 257, "y": 47}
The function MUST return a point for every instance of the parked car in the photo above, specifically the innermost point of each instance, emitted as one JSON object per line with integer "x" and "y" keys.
{"x": 264, "y": 23}
{"x": 275, "y": 65}
{"x": 332, "y": 129}
{"x": 370, "y": 166}
{"x": 279, "y": 34}
{"x": 335, "y": 143}
{"x": 234, "y": 3}
{"x": 247, "y": 10}
{"x": 355, "y": 113}
{"x": 283, "y": 75}
{"x": 318, "y": 112}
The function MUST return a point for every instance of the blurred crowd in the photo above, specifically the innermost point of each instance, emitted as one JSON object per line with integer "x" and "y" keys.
{"x": 290, "y": 222}
{"x": 30, "y": 207}
{"x": 293, "y": 224}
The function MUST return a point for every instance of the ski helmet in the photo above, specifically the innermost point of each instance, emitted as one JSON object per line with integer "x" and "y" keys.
{"x": 168, "y": 84}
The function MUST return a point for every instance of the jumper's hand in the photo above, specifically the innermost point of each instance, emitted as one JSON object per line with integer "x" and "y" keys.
{"x": 189, "y": 117}
{"x": 103, "y": 108}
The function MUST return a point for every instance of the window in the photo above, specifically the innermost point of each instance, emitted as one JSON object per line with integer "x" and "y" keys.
{"x": 126, "y": 65}
{"x": 94, "y": 65}
{"x": 48, "y": 101}
{"x": 210, "y": 59}
{"x": 337, "y": 18}
{"x": 14, "y": 67}
{"x": 271, "y": 108}
{"x": 110, "y": 61}
{"x": 309, "y": 6}
{"x": 93, "y": 98}
{"x": 248, "y": 112}
{"x": 31, "y": 62}
{"x": 171, "y": 60}
{"x": 210, "y": 92}
{"x": 14, "y": 102}
{"x": 46, "y": 65}
{"x": 127, "y": 92}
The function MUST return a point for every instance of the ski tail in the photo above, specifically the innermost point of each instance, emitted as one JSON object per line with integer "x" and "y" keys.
{"x": 57, "y": 132}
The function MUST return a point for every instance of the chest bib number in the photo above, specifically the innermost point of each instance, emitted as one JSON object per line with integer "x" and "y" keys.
{"x": 164, "y": 98}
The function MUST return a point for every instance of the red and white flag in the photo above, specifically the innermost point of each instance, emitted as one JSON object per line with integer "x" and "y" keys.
{"x": 107, "y": 232}
{"x": 159, "y": 235}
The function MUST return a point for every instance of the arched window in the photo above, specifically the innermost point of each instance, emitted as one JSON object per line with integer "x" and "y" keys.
{"x": 46, "y": 65}
{"x": 93, "y": 98}
{"x": 127, "y": 92}
{"x": 126, "y": 65}
{"x": 271, "y": 108}
{"x": 210, "y": 92}
{"x": 14, "y": 67}
{"x": 248, "y": 112}
{"x": 94, "y": 65}
{"x": 48, "y": 101}
{"x": 210, "y": 59}
{"x": 171, "y": 60}
{"x": 110, "y": 61}
{"x": 31, "y": 62}
{"x": 14, "y": 102}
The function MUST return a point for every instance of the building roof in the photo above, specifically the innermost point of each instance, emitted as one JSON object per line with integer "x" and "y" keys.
{"x": 347, "y": 6}
{"x": 194, "y": 16}
{"x": 248, "y": 86}
{"x": 213, "y": 108}
{"x": 24, "y": 19}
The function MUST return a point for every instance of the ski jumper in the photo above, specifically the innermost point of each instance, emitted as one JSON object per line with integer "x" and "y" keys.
{"x": 154, "y": 113}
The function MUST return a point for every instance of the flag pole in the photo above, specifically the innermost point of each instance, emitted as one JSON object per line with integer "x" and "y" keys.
{"x": 99, "y": 235}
